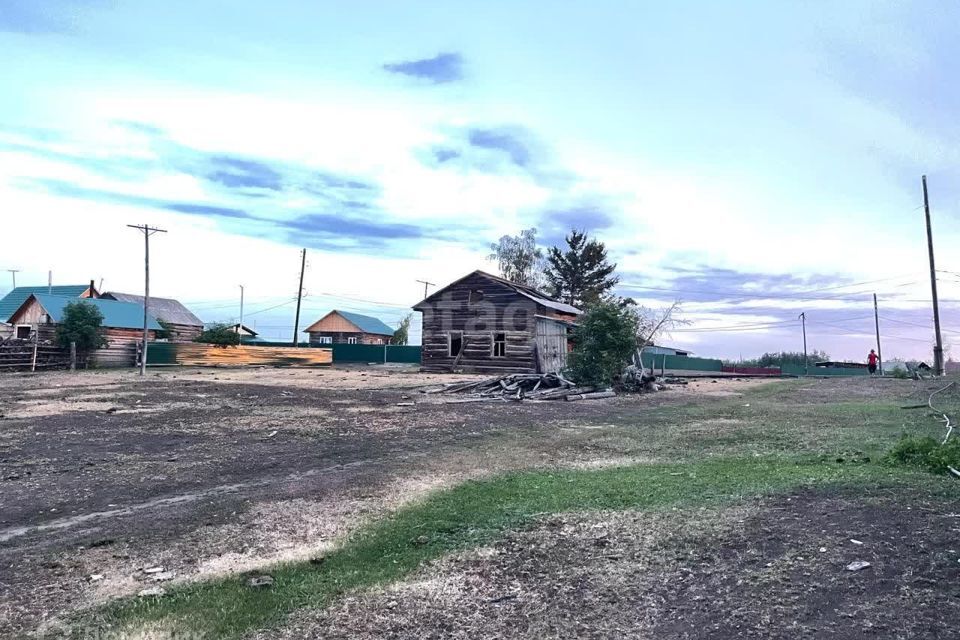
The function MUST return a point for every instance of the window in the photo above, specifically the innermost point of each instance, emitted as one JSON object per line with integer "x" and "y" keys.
{"x": 324, "y": 340}
{"x": 352, "y": 340}
{"x": 499, "y": 345}
{"x": 476, "y": 295}
{"x": 23, "y": 332}
{"x": 455, "y": 342}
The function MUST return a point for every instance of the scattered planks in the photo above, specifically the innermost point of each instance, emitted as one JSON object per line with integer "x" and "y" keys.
{"x": 522, "y": 386}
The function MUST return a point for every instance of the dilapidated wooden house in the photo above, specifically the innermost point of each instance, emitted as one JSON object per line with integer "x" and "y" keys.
{"x": 486, "y": 324}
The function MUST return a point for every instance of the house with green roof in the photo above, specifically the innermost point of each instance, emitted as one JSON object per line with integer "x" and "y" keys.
{"x": 346, "y": 327}
{"x": 12, "y": 301}
{"x": 122, "y": 321}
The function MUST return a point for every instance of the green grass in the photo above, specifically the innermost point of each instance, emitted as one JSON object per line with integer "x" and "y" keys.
{"x": 473, "y": 514}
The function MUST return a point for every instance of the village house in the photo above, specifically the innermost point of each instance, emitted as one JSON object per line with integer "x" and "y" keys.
{"x": 345, "y": 327}
{"x": 179, "y": 323}
{"x": 486, "y": 324}
{"x": 122, "y": 324}
{"x": 12, "y": 301}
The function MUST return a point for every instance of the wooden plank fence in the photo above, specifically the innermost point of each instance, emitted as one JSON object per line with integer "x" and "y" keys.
{"x": 19, "y": 354}
{"x": 204, "y": 355}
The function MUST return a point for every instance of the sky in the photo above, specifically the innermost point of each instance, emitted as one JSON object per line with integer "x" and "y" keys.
{"x": 752, "y": 160}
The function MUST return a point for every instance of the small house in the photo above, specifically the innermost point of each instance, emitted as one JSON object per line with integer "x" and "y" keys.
{"x": 345, "y": 327}
{"x": 180, "y": 324}
{"x": 122, "y": 325}
{"x": 12, "y": 301}
{"x": 486, "y": 324}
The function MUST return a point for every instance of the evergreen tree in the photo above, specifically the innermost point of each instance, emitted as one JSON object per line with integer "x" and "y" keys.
{"x": 580, "y": 275}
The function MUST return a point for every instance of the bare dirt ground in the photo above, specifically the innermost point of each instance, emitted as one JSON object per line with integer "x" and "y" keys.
{"x": 201, "y": 472}
{"x": 198, "y": 473}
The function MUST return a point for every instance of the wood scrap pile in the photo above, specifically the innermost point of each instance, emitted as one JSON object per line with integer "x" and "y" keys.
{"x": 523, "y": 386}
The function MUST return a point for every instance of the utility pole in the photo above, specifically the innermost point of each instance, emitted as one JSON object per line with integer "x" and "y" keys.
{"x": 296, "y": 322}
{"x": 13, "y": 274}
{"x": 938, "y": 349}
{"x": 147, "y": 231}
{"x": 876, "y": 321}
{"x": 240, "y": 327}
{"x": 806, "y": 363}
{"x": 425, "y": 287}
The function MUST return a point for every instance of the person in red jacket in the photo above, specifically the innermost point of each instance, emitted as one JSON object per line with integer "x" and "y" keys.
{"x": 872, "y": 360}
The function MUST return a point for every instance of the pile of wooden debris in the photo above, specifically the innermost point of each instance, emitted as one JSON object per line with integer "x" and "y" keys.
{"x": 523, "y": 386}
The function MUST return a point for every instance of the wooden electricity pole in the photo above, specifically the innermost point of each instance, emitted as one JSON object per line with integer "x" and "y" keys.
{"x": 296, "y": 322}
{"x": 876, "y": 321}
{"x": 806, "y": 363}
{"x": 13, "y": 274}
{"x": 147, "y": 231}
{"x": 938, "y": 349}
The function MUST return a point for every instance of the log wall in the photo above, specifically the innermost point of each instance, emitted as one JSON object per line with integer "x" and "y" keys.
{"x": 477, "y": 308}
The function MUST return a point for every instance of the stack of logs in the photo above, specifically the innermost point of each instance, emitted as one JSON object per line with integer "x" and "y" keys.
{"x": 524, "y": 386}
{"x": 17, "y": 353}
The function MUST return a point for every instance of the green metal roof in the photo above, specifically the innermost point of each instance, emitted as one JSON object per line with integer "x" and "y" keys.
{"x": 367, "y": 324}
{"x": 119, "y": 315}
{"x": 12, "y": 301}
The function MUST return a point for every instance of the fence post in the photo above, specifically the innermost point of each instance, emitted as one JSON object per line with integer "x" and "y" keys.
{"x": 36, "y": 341}
{"x": 384, "y": 353}
{"x": 73, "y": 355}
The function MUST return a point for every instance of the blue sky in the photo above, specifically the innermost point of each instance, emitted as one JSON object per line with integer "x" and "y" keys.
{"x": 752, "y": 159}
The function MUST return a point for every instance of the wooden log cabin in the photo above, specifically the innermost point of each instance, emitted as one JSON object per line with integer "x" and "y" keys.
{"x": 485, "y": 324}
{"x": 12, "y": 301}
{"x": 179, "y": 322}
{"x": 122, "y": 324}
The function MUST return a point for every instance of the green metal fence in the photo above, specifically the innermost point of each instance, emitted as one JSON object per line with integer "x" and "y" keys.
{"x": 375, "y": 353}
{"x": 682, "y": 363}
{"x": 161, "y": 353}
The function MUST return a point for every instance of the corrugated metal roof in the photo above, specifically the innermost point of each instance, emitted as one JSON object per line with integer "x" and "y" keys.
{"x": 165, "y": 309}
{"x": 367, "y": 324}
{"x": 12, "y": 301}
{"x": 116, "y": 314}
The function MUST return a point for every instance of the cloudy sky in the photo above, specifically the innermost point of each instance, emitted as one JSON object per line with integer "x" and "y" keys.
{"x": 754, "y": 160}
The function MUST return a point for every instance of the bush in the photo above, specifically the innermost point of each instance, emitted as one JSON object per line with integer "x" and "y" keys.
{"x": 221, "y": 335}
{"x": 81, "y": 324}
{"x": 925, "y": 453}
{"x": 603, "y": 342}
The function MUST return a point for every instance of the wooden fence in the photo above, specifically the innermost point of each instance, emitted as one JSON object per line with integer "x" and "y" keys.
{"x": 19, "y": 354}
{"x": 204, "y": 355}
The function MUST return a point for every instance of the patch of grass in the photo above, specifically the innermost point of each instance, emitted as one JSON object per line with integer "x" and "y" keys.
{"x": 925, "y": 453}
{"x": 469, "y": 515}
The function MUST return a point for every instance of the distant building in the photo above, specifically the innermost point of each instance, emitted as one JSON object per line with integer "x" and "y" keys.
{"x": 657, "y": 350}
{"x": 486, "y": 324}
{"x": 12, "y": 301}
{"x": 179, "y": 322}
{"x": 344, "y": 327}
